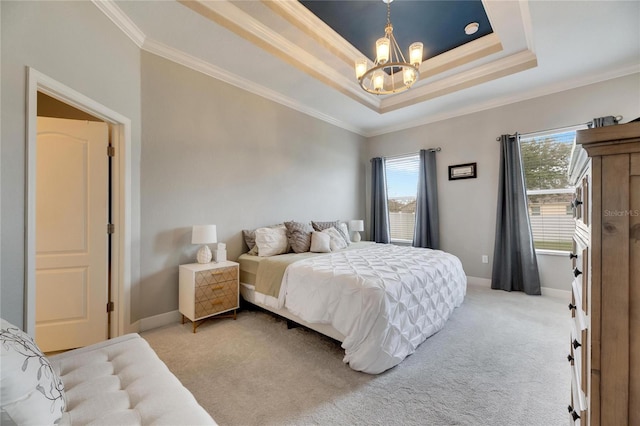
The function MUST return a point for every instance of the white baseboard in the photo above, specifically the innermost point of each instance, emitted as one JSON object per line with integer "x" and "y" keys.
{"x": 558, "y": 294}
{"x": 174, "y": 316}
{"x": 482, "y": 282}
{"x": 159, "y": 320}
{"x": 546, "y": 291}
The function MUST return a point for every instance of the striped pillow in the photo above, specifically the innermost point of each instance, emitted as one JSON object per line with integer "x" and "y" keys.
{"x": 299, "y": 236}
{"x": 321, "y": 226}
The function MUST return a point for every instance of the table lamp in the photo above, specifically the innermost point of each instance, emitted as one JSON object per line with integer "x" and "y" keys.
{"x": 356, "y": 226}
{"x": 204, "y": 234}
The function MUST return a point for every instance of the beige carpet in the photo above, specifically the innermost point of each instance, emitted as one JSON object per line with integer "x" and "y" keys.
{"x": 500, "y": 360}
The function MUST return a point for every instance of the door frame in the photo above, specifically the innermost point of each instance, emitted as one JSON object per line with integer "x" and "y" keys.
{"x": 120, "y": 134}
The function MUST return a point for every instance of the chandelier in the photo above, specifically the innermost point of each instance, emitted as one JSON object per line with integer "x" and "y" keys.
{"x": 384, "y": 77}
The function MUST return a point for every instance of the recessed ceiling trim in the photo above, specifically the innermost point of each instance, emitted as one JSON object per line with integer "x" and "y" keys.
{"x": 464, "y": 54}
{"x": 499, "y": 68}
{"x": 550, "y": 89}
{"x": 301, "y": 17}
{"x": 182, "y": 58}
{"x": 122, "y": 21}
{"x": 234, "y": 19}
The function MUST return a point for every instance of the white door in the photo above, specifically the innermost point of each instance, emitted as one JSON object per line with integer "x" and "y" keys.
{"x": 72, "y": 184}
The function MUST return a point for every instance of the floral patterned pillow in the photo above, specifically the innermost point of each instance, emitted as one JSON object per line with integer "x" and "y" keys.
{"x": 30, "y": 390}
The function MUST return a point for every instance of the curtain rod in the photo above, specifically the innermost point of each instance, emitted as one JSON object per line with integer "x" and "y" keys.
{"x": 618, "y": 118}
{"x": 437, "y": 149}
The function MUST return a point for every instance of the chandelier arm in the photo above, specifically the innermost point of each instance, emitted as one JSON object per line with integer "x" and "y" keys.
{"x": 396, "y": 49}
{"x": 367, "y": 78}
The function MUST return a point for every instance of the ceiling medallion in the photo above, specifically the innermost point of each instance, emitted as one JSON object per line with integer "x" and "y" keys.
{"x": 390, "y": 73}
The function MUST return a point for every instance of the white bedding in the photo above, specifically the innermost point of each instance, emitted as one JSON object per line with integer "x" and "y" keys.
{"x": 385, "y": 299}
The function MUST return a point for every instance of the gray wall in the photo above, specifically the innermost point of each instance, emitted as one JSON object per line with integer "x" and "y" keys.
{"x": 76, "y": 44}
{"x": 468, "y": 207}
{"x": 213, "y": 153}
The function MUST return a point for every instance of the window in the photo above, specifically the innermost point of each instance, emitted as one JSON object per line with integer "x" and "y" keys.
{"x": 545, "y": 159}
{"x": 402, "y": 187}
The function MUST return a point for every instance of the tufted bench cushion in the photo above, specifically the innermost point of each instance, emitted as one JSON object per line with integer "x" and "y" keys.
{"x": 122, "y": 381}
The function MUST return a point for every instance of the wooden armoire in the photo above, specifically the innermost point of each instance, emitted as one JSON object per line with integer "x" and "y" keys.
{"x": 605, "y": 337}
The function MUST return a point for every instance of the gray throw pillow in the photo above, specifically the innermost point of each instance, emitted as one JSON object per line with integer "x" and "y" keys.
{"x": 299, "y": 236}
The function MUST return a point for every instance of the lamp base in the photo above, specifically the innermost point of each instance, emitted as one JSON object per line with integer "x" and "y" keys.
{"x": 355, "y": 237}
{"x": 204, "y": 254}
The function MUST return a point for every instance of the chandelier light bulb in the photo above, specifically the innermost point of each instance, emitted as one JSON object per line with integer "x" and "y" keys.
{"x": 361, "y": 67}
{"x": 378, "y": 80}
{"x": 409, "y": 76}
{"x": 415, "y": 54}
{"x": 382, "y": 50}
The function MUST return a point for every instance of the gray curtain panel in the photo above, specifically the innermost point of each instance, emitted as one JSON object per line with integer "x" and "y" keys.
{"x": 427, "y": 229}
{"x": 515, "y": 266}
{"x": 379, "y": 209}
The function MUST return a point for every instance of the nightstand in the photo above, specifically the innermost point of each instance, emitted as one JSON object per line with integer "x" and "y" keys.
{"x": 208, "y": 289}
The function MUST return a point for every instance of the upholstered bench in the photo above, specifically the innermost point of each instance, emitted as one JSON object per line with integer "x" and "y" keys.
{"x": 120, "y": 381}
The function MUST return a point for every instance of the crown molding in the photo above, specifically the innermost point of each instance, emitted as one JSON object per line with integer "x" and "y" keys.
{"x": 175, "y": 55}
{"x": 122, "y": 21}
{"x": 550, "y": 89}
{"x": 226, "y": 14}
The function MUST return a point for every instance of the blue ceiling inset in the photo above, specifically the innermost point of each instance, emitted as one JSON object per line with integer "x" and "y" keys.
{"x": 439, "y": 25}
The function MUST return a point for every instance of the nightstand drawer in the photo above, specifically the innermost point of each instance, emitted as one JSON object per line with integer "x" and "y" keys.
{"x": 215, "y": 291}
{"x": 216, "y": 276}
{"x": 223, "y": 302}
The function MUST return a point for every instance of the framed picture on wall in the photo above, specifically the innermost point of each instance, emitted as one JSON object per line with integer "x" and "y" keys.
{"x": 463, "y": 171}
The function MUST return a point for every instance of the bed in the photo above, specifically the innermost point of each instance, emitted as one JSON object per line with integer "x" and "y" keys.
{"x": 380, "y": 300}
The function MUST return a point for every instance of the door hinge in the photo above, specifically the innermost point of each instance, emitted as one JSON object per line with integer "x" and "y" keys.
{"x": 110, "y": 307}
{"x": 111, "y": 151}
{"x": 111, "y": 228}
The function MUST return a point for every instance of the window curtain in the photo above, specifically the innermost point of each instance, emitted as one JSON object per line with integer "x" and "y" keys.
{"x": 515, "y": 266}
{"x": 379, "y": 208}
{"x": 427, "y": 228}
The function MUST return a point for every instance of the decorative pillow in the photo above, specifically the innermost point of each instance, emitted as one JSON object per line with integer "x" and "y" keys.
{"x": 320, "y": 242}
{"x": 272, "y": 241}
{"x": 299, "y": 236}
{"x": 30, "y": 390}
{"x": 337, "y": 242}
{"x": 249, "y": 235}
{"x": 321, "y": 226}
{"x": 344, "y": 230}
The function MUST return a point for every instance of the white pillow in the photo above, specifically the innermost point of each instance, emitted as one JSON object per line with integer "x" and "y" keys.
{"x": 337, "y": 241}
{"x": 320, "y": 242}
{"x": 344, "y": 230}
{"x": 31, "y": 393}
{"x": 272, "y": 241}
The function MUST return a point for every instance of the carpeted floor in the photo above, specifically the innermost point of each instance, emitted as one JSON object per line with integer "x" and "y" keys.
{"x": 500, "y": 360}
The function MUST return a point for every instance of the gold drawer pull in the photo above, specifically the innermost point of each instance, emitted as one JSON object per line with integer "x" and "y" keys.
{"x": 218, "y": 287}
{"x": 216, "y": 302}
{"x": 217, "y": 272}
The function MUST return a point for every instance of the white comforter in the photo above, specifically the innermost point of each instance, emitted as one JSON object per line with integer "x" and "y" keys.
{"x": 385, "y": 299}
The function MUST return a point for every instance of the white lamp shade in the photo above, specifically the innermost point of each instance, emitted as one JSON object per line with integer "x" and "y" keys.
{"x": 378, "y": 80}
{"x": 204, "y": 234}
{"x": 361, "y": 67}
{"x": 415, "y": 54}
{"x": 356, "y": 225}
{"x": 382, "y": 50}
